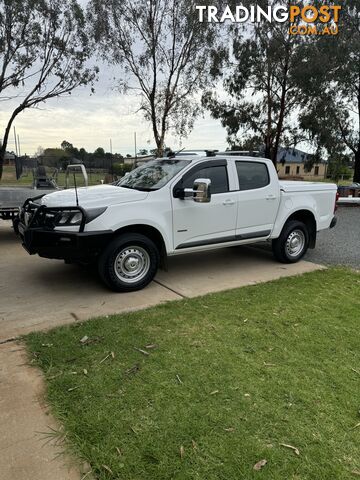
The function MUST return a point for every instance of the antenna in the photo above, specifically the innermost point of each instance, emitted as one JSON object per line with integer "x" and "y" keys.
{"x": 76, "y": 192}
{"x": 173, "y": 155}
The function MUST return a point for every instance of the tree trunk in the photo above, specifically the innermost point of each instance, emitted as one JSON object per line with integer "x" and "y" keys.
{"x": 160, "y": 146}
{"x": 268, "y": 136}
{"x": 2, "y": 157}
{"x": 357, "y": 153}
{"x": 6, "y": 138}
{"x": 267, "y": 152}
{"x": 357, "y": 166}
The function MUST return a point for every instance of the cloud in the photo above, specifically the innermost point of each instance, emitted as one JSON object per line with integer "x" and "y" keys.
{"x": 90, "y": 121}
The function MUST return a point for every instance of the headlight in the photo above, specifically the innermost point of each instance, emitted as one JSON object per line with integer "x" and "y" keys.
{"x": 68, "y": 217}
{"x": 75, "y": 217}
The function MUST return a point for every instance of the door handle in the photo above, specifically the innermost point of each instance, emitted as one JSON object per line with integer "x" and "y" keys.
{"x": 271, "y": 197}
{"x": 228, "y": 202}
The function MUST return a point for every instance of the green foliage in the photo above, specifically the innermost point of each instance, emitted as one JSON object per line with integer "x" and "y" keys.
{"x": 166, "y": 151}
{"x": 143, "y": 151}
{"x": 165, "y": 54}
{"x": 65, "y": 145}
{"x": 55, "y": 157}
{"x": 339, "y": 167}
{"x": 331, "y": 101}
{"x": 120, "y": 169}
{"x": 43, "y": 53}
{"x": 71, "y": 150}
{"x": 231, "y": 377}
{"x": 262, "y": 85}
{"x": 250, "y": 144}
{"x": 99, "y": 152}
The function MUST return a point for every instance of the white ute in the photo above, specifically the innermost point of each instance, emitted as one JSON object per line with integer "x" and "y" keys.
{"x": 176, "y": 206}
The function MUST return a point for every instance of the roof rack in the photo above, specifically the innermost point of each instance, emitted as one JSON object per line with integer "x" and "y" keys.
{"x": 211, "y": 153}
{"x": 241, "y": 153}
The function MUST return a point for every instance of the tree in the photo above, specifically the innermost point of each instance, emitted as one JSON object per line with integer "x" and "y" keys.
{"x": 262, "y": 86}
{"x": 65, "y": 145}
{"x": 120, "y": 169}
{"x": 55, "y": 157}
{"x": 43, "y": 51}
{"x": 331, "y": 103}
{"x": 165, "y": 54}
{"x": 39, "y": 152}
{"x": 99, "y": 152}
{"x": 165, "y": 152}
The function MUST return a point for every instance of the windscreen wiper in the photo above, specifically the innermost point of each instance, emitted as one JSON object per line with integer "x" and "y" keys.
{"x": 140, "y": 189}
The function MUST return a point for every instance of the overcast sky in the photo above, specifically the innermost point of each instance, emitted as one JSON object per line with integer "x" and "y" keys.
{"x": 90, "y": 121}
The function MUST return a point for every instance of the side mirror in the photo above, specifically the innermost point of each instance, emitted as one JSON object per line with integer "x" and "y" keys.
{"x": 201, "y": 191}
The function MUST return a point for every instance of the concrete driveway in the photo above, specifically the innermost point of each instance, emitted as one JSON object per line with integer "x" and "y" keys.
{"x": 38, "y": 293}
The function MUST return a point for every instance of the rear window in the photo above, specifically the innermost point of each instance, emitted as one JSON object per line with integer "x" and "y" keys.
{"x": 252, "y": 175}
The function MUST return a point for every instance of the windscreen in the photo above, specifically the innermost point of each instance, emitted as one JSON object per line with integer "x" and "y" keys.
{"x": 153, "y": 175}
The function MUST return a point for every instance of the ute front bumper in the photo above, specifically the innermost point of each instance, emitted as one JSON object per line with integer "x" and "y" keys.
{"x": 40, "y": 235}
{"x": 65, "y": 245}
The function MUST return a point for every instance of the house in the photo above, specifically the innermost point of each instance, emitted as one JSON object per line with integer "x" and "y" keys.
{"x": 9, "y": 158}
{"x": 292, "y": 162}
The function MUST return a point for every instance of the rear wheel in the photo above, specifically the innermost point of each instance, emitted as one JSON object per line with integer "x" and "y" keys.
{"x": 292, "y": 243}
{"x": 129, "y": 262}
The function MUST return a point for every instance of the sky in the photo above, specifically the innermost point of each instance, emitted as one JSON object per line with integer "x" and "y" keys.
{"x": 90, "y": 121}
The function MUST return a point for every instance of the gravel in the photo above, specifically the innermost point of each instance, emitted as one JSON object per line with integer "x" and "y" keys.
{"x": 341, "y": 244}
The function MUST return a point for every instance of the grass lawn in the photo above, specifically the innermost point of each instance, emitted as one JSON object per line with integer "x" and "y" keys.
{"x": 226, "y": 379}
{"x": 9, "y": 178}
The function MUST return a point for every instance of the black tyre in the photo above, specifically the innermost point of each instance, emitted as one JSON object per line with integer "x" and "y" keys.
{"x": 15, "y": 222}
{"x": 292, "y": 243}
{"x": 129, "y": 262}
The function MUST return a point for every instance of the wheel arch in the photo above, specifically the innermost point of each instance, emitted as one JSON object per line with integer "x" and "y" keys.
{"x": 308, "y": 218}
{"x": 151, "y": 232}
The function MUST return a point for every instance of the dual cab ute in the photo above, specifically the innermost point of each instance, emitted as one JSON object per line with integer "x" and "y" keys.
{"x": 173, "y": 207}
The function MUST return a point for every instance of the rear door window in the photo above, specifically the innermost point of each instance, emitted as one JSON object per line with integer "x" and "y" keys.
{"x": 252, "y": 175}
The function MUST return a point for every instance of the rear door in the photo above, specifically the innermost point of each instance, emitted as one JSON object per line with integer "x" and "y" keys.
{"x": 199, "y": 224}
{"x": 258, "y": 199}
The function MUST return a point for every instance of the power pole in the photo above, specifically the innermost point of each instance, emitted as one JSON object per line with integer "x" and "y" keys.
{"x": 18, "y": 139}
{"x": 16, "y": 148}
{"x": 111, "y": 161}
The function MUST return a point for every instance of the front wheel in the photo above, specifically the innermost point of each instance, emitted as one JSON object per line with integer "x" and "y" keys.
{"x": 129, "y": 262}
{"x": 292, "y": 243}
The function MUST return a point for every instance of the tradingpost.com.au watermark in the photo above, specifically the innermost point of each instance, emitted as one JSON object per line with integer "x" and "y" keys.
{"x": 303, "y": 20}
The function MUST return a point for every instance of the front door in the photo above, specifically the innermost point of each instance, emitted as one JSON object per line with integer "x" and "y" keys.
{"x": 198, "y": 224}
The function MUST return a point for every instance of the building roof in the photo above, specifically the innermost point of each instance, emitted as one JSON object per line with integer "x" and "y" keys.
{"x": 292, "y": 155}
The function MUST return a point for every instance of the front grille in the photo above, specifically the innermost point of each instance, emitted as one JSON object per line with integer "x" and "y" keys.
{"x": 28, "y": 211}
{"x": 44, "y": 218}
{"x": 33, "y": 215}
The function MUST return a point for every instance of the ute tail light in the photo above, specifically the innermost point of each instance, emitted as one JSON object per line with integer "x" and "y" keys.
{"x": 336, "y": 199}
